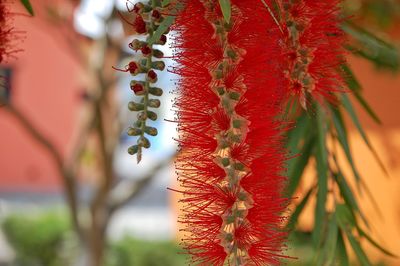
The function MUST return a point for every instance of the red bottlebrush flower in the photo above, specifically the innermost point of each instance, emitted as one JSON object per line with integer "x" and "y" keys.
{"x": 156, "y": 15}
{"x": 146, "y": 51}
{"x": 152, "y": 76}
{"x": 133, "y": 68}
{"x": 138, "y": 7}
{"x": 8, "y": 35}
{"x": 231, "y": 154}
{"x": 137, "y": 88}
{"x": 314, "y": 48}
{"x": 163, "y": 39}
{"x": 140, "y": 25}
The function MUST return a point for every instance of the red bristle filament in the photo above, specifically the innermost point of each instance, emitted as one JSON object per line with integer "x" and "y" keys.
{"x": 314, "y": 49}
{"x": 8, "y": 35}
{"x": 230, "y": 165}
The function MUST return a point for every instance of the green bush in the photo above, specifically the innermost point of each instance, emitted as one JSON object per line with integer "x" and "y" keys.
{"x": 37, "y": 239}
{"x": 132, "y": 252}
{"x": 43, "y": 240}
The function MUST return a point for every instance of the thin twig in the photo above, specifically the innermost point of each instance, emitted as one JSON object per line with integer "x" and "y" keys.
{"x": 125, "y": 191}
{"x": 273, "y": 16}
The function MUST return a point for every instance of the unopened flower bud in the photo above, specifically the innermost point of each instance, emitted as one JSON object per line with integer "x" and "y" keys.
{"x": 154, "y": 103}
{"x": 133, "y": 149}
{"x": 144, "y": 142}
{"x": 159, "y": 65}
{"x": 135, "y": 106}
{"x": 134, "y": 131}
{"x": 151, "y": 115}
{"x": 152, "y": 131}
{"x": 155, "y": 91}
{"x": 158, "y": 53}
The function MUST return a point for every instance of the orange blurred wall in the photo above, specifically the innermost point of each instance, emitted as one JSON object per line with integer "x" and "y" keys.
{"x": 382, "y": 90}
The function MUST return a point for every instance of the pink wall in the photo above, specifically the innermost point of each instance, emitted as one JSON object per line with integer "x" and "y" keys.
{"x": 45, "y": 88}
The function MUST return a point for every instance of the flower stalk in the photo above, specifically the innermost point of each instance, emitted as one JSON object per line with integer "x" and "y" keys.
{"x": 147, "y": 20}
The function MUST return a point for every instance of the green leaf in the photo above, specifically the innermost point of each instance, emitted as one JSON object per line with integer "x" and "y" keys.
{"x": 362, "y": 257}
{"x": 297, "y": 165}
{"x": 299, "y": 208}
{"x": 343, "y": 258}
{"x": 348, "y": 195}
{"x": 342, "y": 137}
{"x": 369, "y": 46}
{"x": 367, "y": 108}
{"x": 226, "y": 9}
{"x": 28, "y": 7}
{"x": 351, "y": 80}
{"x": 346, "y": 223}
{"x": 326, "y": 256}
{"x": 374, "y": 243}
{"x": 350, "y": 110}
{"x": 355, "y": 86}
{"x": 298, "y": 133}
{"x": 322, "y": 170}
{"x": 161, "y": 29}
{"x": 344, "y": 216}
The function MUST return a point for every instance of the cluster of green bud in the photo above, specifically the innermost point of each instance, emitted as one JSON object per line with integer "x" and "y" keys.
{"x": 148, "y": 19}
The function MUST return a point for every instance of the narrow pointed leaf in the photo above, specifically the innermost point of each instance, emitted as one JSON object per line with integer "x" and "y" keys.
{"x": 369, "y": 46}
{"x": 348, "y": 195}
{"x": 328, "y": 252}
{"x": 28, "y": 7}
{"x": 298, "y": 133}
{"x": 350, "y": 110}
{"x": 226, "y": 9}
{"x": 342, "y": 136}
{"x": 343, "y": 258}
{"x": 362, "y": 257}
{"x": 322, "y": 170}
{"x": 297, "y": 165}
{"x": 346, "y": 222}
{"x": 351, "y": 80}
{"x": 375, "y": 244}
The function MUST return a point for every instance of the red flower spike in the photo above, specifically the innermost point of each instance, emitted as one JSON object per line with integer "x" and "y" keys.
{"x": 314, "y": 46}
{"x": 231, "y": 159}
{"x": 8, "y": 35}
